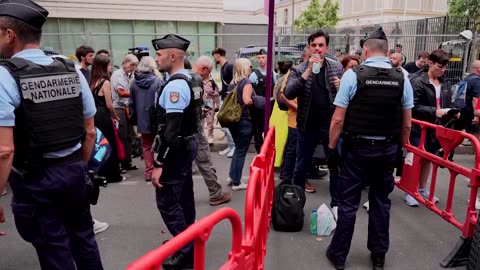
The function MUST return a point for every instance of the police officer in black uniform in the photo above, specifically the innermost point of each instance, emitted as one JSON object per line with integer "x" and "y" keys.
{"x": 177, "y": 121}
{"x": 373, "y": 108}
{"x": 47, "y": 131}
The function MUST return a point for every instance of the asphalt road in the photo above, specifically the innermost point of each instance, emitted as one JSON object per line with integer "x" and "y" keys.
{"x": 419, "y": 238}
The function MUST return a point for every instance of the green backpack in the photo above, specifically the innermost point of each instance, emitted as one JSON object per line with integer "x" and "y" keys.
{"x": 231, "y": 110}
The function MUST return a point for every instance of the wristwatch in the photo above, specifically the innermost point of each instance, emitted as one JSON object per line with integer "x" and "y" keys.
{"x": 157, "y": 165}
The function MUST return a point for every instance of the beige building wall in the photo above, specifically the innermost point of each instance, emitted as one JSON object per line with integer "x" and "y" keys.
{"x": 365, "y": 12}
{"x": 156, "y": 10}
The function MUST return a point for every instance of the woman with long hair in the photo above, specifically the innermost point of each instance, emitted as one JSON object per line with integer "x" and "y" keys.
{"x": 242, "y": 131}
{"x": 100, "y": 86}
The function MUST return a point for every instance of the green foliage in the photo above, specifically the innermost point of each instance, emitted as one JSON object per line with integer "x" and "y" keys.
{"x": 319, "y": 16}
{"x": 465, "y": 8}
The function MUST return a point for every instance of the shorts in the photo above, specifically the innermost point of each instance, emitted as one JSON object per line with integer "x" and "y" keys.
{"x": 431, "y": 144}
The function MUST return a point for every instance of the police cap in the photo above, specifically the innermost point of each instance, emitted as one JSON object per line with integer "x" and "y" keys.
{"x": 377, "y": 34}
{"x": 171, "y": 41}
{"x": 24, "y": 10}
{"x": 262, "y": 52}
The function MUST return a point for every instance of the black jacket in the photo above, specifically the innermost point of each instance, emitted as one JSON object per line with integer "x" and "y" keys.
{"x": 425, "y": 101}
{"x": 297, "y": 87}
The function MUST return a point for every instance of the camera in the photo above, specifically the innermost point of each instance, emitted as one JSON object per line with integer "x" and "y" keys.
{"x": 139, "y": 52}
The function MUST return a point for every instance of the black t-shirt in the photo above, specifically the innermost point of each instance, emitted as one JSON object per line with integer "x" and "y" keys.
{"x": 473, "y": 90}
{"x": 320, "y": 108}
{"x": 86, "y": 74}
{"x": 411, "y": 67}
{"x": 226, "y": 75}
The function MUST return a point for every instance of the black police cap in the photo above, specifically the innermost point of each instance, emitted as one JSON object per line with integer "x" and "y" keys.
{"x": 262, "y": 52}
{"x": 171, "y": 41}
{"x": 377, "y": 34}
{"x": 24, "y": 10}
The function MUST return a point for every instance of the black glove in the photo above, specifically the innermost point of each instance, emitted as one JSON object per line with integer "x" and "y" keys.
{"x": 333, "y": 160}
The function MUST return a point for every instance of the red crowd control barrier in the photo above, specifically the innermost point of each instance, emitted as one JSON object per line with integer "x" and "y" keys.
{"x": 449, "y": 139}
{"x": 249, "y": 250}
{"x": 258, "y": 204}
{"x": 198, "y": 232}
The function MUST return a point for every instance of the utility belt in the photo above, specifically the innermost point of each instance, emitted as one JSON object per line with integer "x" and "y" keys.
{"x": 42, "y": 163}
{"x": 359, "y": 140}
{"x": 183, "y": 142}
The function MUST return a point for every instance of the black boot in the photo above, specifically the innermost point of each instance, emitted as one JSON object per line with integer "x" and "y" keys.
{"x": 178, "y": 261}
{"x": 378, "y": 261}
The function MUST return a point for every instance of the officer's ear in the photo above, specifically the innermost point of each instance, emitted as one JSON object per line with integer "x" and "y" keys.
{"x": 10, "y": 35}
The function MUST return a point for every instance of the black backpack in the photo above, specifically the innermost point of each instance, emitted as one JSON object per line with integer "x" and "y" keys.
{"x": 287, "y": 209}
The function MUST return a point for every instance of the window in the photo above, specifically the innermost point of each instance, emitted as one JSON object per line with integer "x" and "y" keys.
{"x": 275, "y": 18}
{"x": 427, "y": 5}
{"x": 347, "y": 7}
{"x": 285, "y": 16}
{"x": 398, "y": 4}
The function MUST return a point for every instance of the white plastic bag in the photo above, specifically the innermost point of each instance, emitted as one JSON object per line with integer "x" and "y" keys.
{"x": 325, "y": 221}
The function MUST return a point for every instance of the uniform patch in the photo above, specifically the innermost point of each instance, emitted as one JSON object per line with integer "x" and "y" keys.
{"x": 174, "y": 97}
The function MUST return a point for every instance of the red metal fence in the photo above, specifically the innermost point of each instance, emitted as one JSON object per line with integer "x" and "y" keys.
{"x": 248, "y": 250}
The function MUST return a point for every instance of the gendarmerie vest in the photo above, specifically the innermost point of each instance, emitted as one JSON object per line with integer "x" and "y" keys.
{"x": 50, "y": 115}
{"x": 376, "y": 108}
{"x": 190, "y": 114}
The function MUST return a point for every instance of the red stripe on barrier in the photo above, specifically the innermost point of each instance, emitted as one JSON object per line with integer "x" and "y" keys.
{"x": 258, "y": 203}
{"x": 449, "y": 139}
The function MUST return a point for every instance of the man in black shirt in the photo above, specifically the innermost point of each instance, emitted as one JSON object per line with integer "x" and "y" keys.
{"x": 422, "y": 60}
{"x": 85, "y": 55}
{"x": 226, "y": 75}
{"x": 226, "y": 70}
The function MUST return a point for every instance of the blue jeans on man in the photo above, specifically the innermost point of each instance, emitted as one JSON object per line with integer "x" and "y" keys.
{"x": 289, "y": 155}
{"x": 307, "y": 141}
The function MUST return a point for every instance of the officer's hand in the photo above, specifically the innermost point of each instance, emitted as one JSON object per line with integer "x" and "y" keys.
{"x": 2, "y": 220}
{"x": 440, "y": 113}
{"x": 333, "y": 160}
{"x": 157, "y": 172}
{"x": 457, "y": 116}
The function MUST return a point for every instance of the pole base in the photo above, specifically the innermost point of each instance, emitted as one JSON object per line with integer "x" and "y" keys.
{"x": 459, "y": 254}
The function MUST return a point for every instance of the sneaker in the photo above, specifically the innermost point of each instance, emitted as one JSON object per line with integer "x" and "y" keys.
{"x": 4, "y": 192}
{"x": 409, "y": 200}
{"x": 230, "y": 154}
{"x": 99, "y": 227}
{"x": 309, "y": 187}
{"x": 229, "y": 181}
{"x": 224, "y": 152}
{"x": 210, "y": 140}
{"x": 241, "y": 186}
{"x": 366, "y": 205}
{"x": 323, "y": 168}
{"x": 426, "y": 194}
{"x": 335, "y": 212}
{"x": 226, "y": 197}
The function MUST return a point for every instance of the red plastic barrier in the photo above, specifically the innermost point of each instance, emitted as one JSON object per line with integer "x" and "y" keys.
{"x": 409, "y": 182}
{"x": 198, "y": 232}
{"x": 258, "y": 204}
{"x": 246, "y": 255}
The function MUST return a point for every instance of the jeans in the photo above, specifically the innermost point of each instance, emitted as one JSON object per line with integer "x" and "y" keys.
{"x": 242, "y": 136}
{"x": 289, "y": 156}
{"x": 228, "y": 135}
{"x": 147, "y": 142}
{"x": 306, "y": 143}
{"x": 371, "y": 164}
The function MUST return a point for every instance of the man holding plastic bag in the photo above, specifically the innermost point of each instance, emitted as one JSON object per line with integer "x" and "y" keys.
{"x": 374, "y": 113}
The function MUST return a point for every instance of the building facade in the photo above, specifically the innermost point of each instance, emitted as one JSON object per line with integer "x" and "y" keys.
{"x": 117, "y": 25}
{"x": 353, "y": 13}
